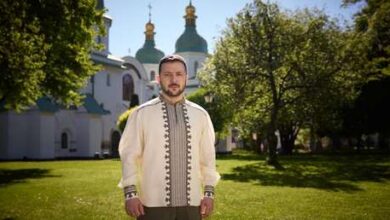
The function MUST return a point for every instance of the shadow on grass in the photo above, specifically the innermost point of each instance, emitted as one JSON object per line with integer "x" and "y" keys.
{"x": 11, "y": 176}
{"x": 328, "y": 173}
{"x": 241, "y": 155}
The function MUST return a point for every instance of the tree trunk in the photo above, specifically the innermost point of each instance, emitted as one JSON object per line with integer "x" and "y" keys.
{"x": 287, "y": 143}
{"x": 315, "y": 145}
{"x": 272, "y": 142}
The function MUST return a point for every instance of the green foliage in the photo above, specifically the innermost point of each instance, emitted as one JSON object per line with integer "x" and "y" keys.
{"x": 373, "y": 21}
{"x": 45, "y": 49}
{"x": 218, "y": 112}
{"x": 122, "y": 120}
{"x": 283, "y": 69}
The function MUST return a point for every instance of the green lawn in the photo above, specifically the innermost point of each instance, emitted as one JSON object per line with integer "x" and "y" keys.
{"x": 310, "y": 187}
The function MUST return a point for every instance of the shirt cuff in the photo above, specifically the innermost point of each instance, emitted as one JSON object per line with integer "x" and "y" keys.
{"x": 130, "y": 192}
{"x": 209, "y": 191}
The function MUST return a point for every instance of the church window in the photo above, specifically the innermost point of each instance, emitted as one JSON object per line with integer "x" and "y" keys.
{"x": 128, "y": 87}
{"x": 64, "y": 140}
{"x": 196, "y": 66}
{"x": 108, "y": 80}
{"x": 152, "y": 75}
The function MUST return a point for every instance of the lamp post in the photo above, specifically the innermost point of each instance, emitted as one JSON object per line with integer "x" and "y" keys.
{"x": 209, "y": 97}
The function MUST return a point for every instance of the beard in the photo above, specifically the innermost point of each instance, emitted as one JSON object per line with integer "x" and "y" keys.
{"x": 170, "y": 93}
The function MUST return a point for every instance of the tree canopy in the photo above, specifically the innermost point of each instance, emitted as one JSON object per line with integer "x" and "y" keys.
{"x": 45, "y": 50}
{"x": 278, "y": 68}
{"x": 374, "y": 22}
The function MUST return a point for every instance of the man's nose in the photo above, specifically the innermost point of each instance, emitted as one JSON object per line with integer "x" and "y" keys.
{"x": 174, "y": 79}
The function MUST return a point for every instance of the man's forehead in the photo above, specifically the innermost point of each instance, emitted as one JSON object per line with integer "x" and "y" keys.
{"x": 173, "y": 65}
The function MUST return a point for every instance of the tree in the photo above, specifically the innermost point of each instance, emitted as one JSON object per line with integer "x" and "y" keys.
{"x": 279, "y": 69}
{"x": 373, "y": 21}
{"x": 219, "y": 113}
{"x": 368, "y": 114}
{"x": 45, "y": 49}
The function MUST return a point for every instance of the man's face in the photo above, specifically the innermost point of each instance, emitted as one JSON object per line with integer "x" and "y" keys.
{"x": 173, "y": 78}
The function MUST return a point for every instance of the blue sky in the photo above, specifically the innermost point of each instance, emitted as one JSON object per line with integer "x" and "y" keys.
{"x": 130, "y": 16}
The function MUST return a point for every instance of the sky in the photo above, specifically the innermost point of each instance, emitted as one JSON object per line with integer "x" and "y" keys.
{"x": 130, "y": 16}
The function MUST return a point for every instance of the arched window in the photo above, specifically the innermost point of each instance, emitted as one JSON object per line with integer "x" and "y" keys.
{"x": 128, "y": 87}
{"x": 64, "y": 140}
{"x": 196, "y": 66}
{"x": 152, "y": 75}
{"x": 108, "y": 79}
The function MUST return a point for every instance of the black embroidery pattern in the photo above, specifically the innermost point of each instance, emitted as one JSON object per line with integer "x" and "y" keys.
{"x": 167, "y": 155}
{"x": 209, "y": 191}
{"x": 188, "y": 153}
{"x": 130, "y": 192}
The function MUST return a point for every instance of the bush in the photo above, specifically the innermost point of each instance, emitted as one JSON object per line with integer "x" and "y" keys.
{"x": 122, "y": 119}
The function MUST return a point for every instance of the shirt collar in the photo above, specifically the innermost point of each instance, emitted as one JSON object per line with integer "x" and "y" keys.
{"x": 181, "y": 101}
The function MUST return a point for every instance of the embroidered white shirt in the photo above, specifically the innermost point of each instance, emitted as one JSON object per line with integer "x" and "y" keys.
{"x": 170, "y": 163}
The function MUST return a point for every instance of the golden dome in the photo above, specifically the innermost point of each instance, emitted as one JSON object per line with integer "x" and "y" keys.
{"x": 190, "y": 11}
{"x": 149, "y": 26}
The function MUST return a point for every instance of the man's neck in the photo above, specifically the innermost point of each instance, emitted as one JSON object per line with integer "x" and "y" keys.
{"x": 172, "y": 100}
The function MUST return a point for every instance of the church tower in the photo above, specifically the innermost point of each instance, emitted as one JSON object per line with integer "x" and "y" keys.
{"x": 149, "y": 55}
{"x": 192, "y": 47}
{"x": 107, "y": 25}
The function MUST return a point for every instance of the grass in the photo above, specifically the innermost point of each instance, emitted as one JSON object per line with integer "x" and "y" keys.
{"x": 310, "y": 187}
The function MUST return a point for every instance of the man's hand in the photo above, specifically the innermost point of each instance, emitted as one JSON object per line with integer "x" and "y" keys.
{"x": 206, "y": 207}
{"x": 134, "y": 207}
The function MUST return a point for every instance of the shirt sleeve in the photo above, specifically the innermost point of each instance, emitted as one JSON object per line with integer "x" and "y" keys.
{"x": 208, "y": 170}
{"x": 130, "y": 150}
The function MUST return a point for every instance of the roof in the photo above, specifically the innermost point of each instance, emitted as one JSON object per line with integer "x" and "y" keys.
{"x": 107, "y": 59}
{"x": 191, "y": 41}
{"x": 148, "y": 53}
{"x": 45, "y": 104}
{"x": 92, "y": 106}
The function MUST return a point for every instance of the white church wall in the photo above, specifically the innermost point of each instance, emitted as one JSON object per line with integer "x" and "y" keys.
{"x": 47, "y": 136}
{"x": 29, "y": 135}
{"x": 17, "y": 139}
{"x": 89, "y": 134}
{"x": 96, "y": 135}
{"x": 149, "y": 68}
{"x": 82, "y": 134}
{"x": 191, "y": 58}
{"x": 65, "y": 121}
{"x": 32, "y": 136}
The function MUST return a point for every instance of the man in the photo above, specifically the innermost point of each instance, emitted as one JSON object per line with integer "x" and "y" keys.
{"x": 167, "y": 149}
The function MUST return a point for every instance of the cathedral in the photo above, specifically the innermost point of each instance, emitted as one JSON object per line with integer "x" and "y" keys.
{"x": 48, "y": 131}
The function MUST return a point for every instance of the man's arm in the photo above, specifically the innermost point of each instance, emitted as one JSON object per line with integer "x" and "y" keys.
{"x": 130, "y": 150}
{"x": 208, "y": 170}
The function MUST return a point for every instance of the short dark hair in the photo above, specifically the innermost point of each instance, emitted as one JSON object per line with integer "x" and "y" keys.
{"x": 170, "y": 59}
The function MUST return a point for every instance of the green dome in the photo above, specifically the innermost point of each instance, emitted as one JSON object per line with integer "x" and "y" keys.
{"x": 191, "y": 41}
{"x": 148, "y": 53}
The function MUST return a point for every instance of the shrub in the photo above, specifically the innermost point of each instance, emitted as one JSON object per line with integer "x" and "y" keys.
{"x": 122, "y": 119}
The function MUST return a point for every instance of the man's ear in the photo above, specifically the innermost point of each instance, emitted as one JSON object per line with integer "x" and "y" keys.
{"x": 158, "y": 79}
